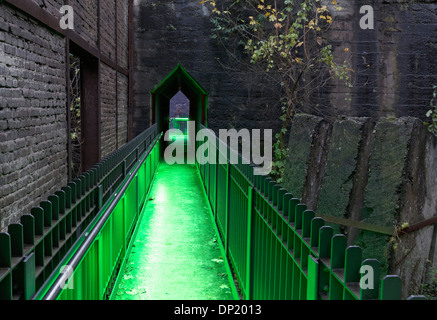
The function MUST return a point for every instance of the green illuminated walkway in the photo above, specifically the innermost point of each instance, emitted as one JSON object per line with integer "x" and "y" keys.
{"x": 176, "y": 254}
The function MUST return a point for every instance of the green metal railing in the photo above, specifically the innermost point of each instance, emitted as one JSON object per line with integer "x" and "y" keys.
{"x": 96, "y": 259}
{"x": 33, "y": 249}
{"x": 277, "y": 248}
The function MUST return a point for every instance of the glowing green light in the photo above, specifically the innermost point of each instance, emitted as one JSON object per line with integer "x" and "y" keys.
{"x": 176, "y": 254}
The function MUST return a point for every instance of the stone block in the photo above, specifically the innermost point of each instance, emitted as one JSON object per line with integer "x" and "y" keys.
{"x": 341, "y": 167}
{"x": 383, "y": 194}
{"x": 303, "y": 130}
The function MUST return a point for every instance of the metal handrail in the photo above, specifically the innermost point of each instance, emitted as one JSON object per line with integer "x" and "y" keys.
{"x": 88, "y": 237}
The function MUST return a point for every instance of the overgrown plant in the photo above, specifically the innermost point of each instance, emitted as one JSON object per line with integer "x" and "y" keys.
{"x": 75, "y": 117}
{"x": 287, "y": 40}
{"x": 429, "y": 288}
{"x": 432, "y": 113}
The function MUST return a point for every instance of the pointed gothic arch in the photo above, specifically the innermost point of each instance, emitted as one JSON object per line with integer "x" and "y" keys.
{"x": 178, "y": 80}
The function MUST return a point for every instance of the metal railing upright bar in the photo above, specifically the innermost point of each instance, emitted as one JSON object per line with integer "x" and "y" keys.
{"x": 277, "y": 248}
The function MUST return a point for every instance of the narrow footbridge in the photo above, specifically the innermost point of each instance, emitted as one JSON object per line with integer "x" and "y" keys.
{"x": 135, "y": 227}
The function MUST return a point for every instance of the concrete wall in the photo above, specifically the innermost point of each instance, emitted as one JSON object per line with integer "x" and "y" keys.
{"x": 393, "y": 63}
{"x": 382, "y": 173}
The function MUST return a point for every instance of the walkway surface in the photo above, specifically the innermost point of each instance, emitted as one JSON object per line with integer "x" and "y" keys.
{"x": 176, "y": 254}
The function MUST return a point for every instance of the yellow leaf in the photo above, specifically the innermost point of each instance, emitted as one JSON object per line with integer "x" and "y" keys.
{"x": 202, "y": 2}
{"x": 346, "y": 50}
{"x": 334, "y": 2}
{"x": 299, "y": 44}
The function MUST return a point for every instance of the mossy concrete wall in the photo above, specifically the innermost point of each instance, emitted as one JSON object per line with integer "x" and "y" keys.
{"x": 382, "y": 173}
{"x": 341, "y": 180}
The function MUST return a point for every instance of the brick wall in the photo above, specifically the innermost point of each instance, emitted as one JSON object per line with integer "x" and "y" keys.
{"x": 33, "y": 155}
{"x": 108, "y": 110}
{"x": 107, "y": 34}
{"x": 85, "y": 20}
{"x": 122, "y": 109}
{"x": 123, "y": 33}
{"x": 33, "y": 106}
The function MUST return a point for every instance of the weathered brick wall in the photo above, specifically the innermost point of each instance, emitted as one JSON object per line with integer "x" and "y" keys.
{"x": 33, "y": 106}
{"x": 107, "y": 28}
{"x": 108, "y": 110}
{"x": 53, "y": 6}
{"x": 122, "y": 109}
{"x": 32, "y": 114}
{"x": 85, "y": 19}
{"x": 123, "y": 33}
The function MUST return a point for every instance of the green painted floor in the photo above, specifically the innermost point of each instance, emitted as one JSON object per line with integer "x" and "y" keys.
{"x": 176, "y": 254}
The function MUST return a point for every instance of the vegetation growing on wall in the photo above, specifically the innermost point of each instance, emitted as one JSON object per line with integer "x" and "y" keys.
{"x": 432, "y": 113}
{"x": 287, "y": 41}
{"x": 75, "y": 118}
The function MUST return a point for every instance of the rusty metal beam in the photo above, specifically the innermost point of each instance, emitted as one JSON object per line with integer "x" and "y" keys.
{"x": 116, "y": 76}
{"x": 68, "y": 97}
{"x": 90, "y": 115}
{"x": 131, "y": 69}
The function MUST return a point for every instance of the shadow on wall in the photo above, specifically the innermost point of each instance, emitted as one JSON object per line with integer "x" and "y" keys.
{"x": 369, "y": 178}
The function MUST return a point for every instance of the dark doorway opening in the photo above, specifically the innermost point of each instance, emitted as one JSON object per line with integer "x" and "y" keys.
{"x": 83, "y": 111}
{"x": 75, "y": 117}
{"x": 179, "y": 113}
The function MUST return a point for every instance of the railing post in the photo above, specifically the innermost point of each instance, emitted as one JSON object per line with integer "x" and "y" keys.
{"x": 99, "y": 197}
{"x": 228, "y": 207}
{"x": 124, "y": 168}
{"x": 216, "y": 183}
{"x": 313, "y": 278}
{"x": 250, "y": 240}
